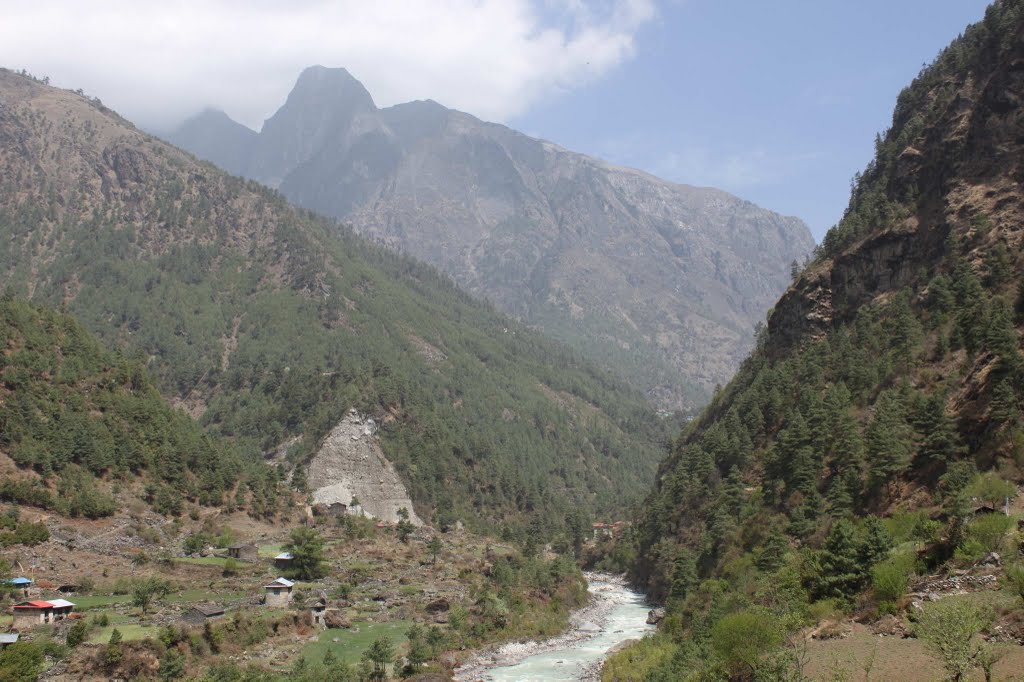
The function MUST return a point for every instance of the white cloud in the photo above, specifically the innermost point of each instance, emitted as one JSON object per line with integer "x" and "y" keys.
{"x": 157, "y": 62}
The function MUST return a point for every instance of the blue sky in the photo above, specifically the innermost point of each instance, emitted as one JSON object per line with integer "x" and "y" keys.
{"x": 776, "y": 102}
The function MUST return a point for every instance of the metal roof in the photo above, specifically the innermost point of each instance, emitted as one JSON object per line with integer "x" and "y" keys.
{"x": 208, "y": 609}
{"x": 9, "y": 638}
{"x": 60, "y": 603}
{"x": 284, "y": 555}
{"x": 281, "y": 582}
{"x": 20, "y": 581}
{"x": 34, "y": 604}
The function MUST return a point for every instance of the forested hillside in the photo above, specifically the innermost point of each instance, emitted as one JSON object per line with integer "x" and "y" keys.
{"x": 882, "y": 405}
{"x": 70, "y": 411}
{"x": 268, "y": 323}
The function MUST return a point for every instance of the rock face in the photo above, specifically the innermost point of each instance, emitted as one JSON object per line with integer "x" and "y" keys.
{"x": 350, "y": 463}
{"x": 659, "y": 281}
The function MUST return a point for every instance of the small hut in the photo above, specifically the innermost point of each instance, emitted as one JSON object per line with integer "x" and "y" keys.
{"x": 20, "y": 585}
{"x": 278, "y": 593}
{"x": 283, "y": 560}
{"x": 244, "y": 552}
{"x": 198, "y": 614}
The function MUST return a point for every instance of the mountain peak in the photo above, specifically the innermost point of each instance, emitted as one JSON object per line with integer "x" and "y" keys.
{"x": 335, "y": 85}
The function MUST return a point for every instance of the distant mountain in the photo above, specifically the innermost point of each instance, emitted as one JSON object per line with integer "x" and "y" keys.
{"x": 269, "y": 324}
{"x": 227, "y": 140}
{"x": 663, "y": 283}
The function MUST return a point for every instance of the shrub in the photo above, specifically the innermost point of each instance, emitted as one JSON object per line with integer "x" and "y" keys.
{"x": 985, "y": 534}
{"x": 743, "y": 638}
{"x": 77, "y": 633}
{"x": 889, "y": 578}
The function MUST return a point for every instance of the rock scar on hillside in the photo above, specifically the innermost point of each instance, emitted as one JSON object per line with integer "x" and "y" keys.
{"x": 350, "y": 463}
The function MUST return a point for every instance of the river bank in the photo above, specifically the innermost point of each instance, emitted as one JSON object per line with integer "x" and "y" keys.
{"x": 615, "y": 614}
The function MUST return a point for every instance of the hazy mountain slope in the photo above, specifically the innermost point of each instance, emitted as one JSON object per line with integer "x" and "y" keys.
{"x": 890, "y": 373}
{"x": 270, "y": 323}
{"x": 227, "y": 141}
{"x": 662, "y": 283}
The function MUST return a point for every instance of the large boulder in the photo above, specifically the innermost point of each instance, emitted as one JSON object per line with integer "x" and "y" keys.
{"x": 655, "y": 616}
{"x": 437, "y": 606}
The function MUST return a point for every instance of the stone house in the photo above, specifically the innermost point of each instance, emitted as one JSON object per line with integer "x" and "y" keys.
{"x": 318, "y": 612}
{"x": 202, "y": 613}
{"x": 278, "y": 593}
{"x": 244, "y": 552}
{"x": 31, "y": 614}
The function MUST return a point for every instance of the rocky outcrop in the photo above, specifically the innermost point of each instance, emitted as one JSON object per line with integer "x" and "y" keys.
{"x": 350, "y": 464}
{"x": 661, "y": 282}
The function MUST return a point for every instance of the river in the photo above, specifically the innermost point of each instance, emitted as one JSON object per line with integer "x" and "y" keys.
{"x": 615, "y": 615}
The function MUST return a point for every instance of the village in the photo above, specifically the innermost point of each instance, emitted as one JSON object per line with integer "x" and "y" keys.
{"x": 142, "y": 577}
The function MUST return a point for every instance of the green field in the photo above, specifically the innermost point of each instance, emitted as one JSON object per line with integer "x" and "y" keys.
{"x": 128, "y": 633}
{"x": 351, "y": 645}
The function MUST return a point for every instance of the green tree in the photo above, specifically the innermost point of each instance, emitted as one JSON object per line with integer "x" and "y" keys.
{"x": 940, "y": 437}
{"x": 172, "y": 666}
{"x": 888, "y": 441}
{"x": 21, "y": 662}
{"x": 773, "y": 551}
{"x": 307, "y": 550}
{"x": 950, "y": 629}
{"x": 838, "y": 570}
{"x": 434, "y": 547}
{"x": 78, "y": 632}
{"x": 990, "y": 487}
{"x": 404, "y": 528}
{"x": 380, "y": 654}
{"x": 419, "y": 650}
{"x": 148, "y": 590}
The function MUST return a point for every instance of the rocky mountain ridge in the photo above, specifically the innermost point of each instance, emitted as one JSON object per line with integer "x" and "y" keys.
{"x": 662, "y": 283}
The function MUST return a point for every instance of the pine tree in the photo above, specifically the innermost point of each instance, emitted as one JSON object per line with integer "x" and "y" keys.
{"x": 841, "y": 573}
{"x": 877, "y": 542}
{"x": 1005, "y": 412}
{"x": 997, "y": 265}
{"x": 941, "y": 441}
{"x": 773, "y": 552}
{"x": 887, "y": 441}
{"x": 684, "y": 575}
{"x": 906, "y": 332}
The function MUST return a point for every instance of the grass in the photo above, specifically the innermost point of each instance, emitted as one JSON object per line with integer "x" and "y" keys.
{"x": 351, "y": 645}
{"x": 205, "y": 561}
{"x": 93, "y": 601}
{"x": 270, "y": 551}
{"x": 128, "y": 633}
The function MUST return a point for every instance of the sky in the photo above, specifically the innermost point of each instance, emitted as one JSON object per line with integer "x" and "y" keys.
{"x": 777, "y": 102}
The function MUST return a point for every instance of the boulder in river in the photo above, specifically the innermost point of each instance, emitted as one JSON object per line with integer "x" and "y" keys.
{"x": 655, "y": 616}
